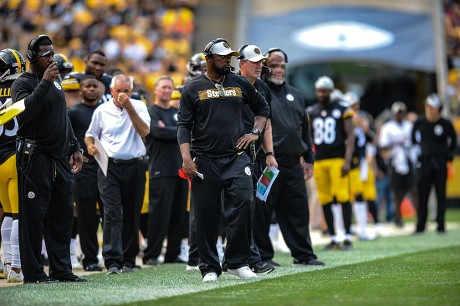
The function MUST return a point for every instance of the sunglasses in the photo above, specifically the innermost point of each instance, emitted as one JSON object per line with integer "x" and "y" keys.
{"x": 220, "y": 87}
{"x": 47, "y": 54}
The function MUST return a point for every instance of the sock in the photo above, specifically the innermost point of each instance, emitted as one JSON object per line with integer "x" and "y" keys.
{"x": 338, "y": 219}
{"x": 372, "y": 206}
{"x": 16, "y": 258}
{"x": 328, "y": 217}
{"x": 360, "y": 210}
{"x": 44, "y": 251}
{"x": 346, "y": 211}
{"x": 73, "y": 242}
{"x": 6, "y": 238}
{"x": 274, "y": 232}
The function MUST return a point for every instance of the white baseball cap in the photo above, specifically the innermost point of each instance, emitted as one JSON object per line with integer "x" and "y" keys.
{"x": 351, "y": 98}
{"x": 324, "y": 82}
{"x": 397, "y": 107}
{"x": 433, "y": 101}
{"x": 251, "y": 53}
{"x": 222, "y": 48}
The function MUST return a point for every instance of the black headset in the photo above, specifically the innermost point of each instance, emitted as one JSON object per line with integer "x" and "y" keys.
{"x": 240, "y": 51}
{"x": 271, "y": 50}
{"x": 207, "y": 49}
{"x": 31, "y": 53}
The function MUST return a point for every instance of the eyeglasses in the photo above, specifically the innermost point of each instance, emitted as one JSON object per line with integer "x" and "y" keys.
{"x": 48, "y": 54}
{"x": 220, "y": 87}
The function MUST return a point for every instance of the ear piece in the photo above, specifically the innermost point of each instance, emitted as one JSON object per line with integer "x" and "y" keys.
{"x": 207, "y": 49}
{"x": 271, "y": 50}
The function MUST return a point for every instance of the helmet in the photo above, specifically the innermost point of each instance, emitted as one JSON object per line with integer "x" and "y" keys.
{"x": 197, "y": 65}
{"x": 72, "y": 81}
{"x": 63, "y": 62}
{"x": 12, "y": 64}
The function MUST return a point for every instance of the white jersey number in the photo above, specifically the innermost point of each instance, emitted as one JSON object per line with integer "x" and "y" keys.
{"x": 14, "y": 130}
{"x": 324, "y": 130}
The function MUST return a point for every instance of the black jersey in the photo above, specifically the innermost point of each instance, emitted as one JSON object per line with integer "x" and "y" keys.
{"x": 213, "y": 123}
{"x": 291, "y": 135}
{"x": 45, "y": 117}
{"x": 328, "y": 129}
{"x": 360, "y": 147}
{"x": 248, "y": 115}
{"x": 436, "y": 139}
{"x": 161, "y": 143}
{"x": 8, "y": 130}
{"x": 80, "y": 116}
{"x": 106, "y": 79}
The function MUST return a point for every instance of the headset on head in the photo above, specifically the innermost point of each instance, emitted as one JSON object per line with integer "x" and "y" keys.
{"x": 271, "y": 50}
{"x": 31, "y": 53}
{"x": 240, "y": 51}
{"x": 207, "y": 49}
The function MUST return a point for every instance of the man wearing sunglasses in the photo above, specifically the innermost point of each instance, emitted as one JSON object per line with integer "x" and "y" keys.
{"x": 212, "y": 143}
{"x": 45, "y": 144}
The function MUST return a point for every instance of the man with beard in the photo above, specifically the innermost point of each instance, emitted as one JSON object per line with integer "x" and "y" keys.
{"x": 294, "y": 154}
{"x": 45, "y": 143}
{"x": 334, "y": 139}
{"x": 212, "y": 143}
{"x": 86, "y": 191}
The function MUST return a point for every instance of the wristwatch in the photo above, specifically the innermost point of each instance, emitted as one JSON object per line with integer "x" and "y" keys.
{"x": 255, "y": 131}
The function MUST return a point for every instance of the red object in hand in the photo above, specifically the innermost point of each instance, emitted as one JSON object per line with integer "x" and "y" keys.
{"x": 183, "y": 175}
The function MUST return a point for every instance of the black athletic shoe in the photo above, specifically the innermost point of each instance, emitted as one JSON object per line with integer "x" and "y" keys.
{"x": 175, "y": 261}
{"x": 72, "y": 278}
{"x": 113, "y": 270}
{"x": 347, "y": 245}
{"x": 93, "y": 268}
{"x": 126, "y": 269}
{"x": 273, "y": 263}
{"x": 332, "y": 246}
{"x": 45, "y": 280}
{"x": 137, "y": 267}
{"x": 151, "y": 262}
{"x": 310, "y": 262}
{"x": 262, "y": 267}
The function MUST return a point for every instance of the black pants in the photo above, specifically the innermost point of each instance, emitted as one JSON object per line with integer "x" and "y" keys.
{"x": 228, "y": 178}
{"x": 433, "y": 172}
{"x": 86, "y": 197}
{"x": 122, "y": 194}
{"x": 167, "y": 214}
{"x": 45, "y": 211}
{"x": 289, "y": 200}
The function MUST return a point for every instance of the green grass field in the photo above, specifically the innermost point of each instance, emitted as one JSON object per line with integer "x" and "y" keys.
{"x": 401, "y": 270}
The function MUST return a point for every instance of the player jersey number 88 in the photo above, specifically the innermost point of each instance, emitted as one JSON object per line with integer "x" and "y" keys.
{"x": 328, "y": 129}
{"x": 324, "y": 130}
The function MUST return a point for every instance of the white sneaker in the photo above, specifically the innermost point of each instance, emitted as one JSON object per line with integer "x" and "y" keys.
{"x": 14, "y": 277}
{"x": 191, "y": 268}
{"x": 6, "y": 270}
{"x": 366, "y": 237}
{"x": 380, "y": 230}
{"x": 243, "y": 272}
{"x": 76, "y": 265}
{"x": 184, "y": 249}
{"x": 210, "y": 277}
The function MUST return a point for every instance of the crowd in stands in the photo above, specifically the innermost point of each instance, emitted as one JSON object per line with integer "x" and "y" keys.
{"x": 145, "y": 38}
